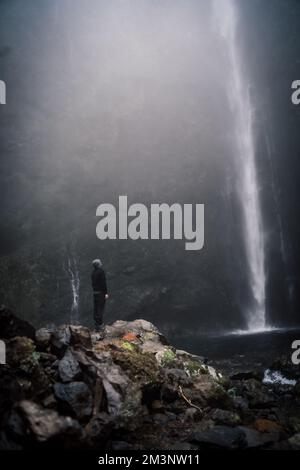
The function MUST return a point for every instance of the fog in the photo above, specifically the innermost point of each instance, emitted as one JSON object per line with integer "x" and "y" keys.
{"x": 123, "y": 97}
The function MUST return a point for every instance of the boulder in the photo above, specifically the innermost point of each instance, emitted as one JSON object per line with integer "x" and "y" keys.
{"x": 42, "y": 338}
{"x": 265, "y": 425}
{"x": 99, "y": 429}
{"x": 68, "y": 367}
{"x": 45, "y": 425}
{"x": 219, "y": 437}
{"x": 294, "y": 442}
{"x": 20, "y": 351}
{"x": 80, "y": 336}
{"x": 225, "y": 417}
{"x": 256, "y": 440}
{"x": 75, "y": 398}
{"x": 11, "y": 391}
{"x": 259, "y": 395}
{"x": 60, "y": 340}
{"x": 11, "y": 326}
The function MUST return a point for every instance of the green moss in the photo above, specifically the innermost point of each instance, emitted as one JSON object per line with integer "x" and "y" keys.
{"x": 128, "y": 346}
{"x": 193, "y": 368}
{"x": 169, "y": 356}
{"x": 137, "y": 365}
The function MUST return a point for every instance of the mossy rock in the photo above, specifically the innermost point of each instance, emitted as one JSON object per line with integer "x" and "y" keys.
{"x": 193, "y": 368}
{"x": 128, "y": 346}
{"x": 138, "y": 366}
{"x": 219, "y": 398}
{"x": 21, "y": 350}
{"x": 168, "y": 357}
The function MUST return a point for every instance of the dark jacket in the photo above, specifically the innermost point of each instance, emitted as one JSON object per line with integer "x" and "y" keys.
{"x": 99, "y": 281}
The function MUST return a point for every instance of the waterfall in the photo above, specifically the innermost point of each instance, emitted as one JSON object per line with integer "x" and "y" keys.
{"x": 75, "y": 285}
{"x": 225, "y": 17}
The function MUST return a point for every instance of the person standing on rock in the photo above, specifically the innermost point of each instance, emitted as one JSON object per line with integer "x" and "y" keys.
{"x": 99, "y": 292}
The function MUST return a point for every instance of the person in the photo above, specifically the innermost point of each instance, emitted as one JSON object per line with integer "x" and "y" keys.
{"x": 99, "y": 292}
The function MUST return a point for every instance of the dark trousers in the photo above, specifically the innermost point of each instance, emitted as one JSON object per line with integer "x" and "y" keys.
{"x": 99, "y": 304}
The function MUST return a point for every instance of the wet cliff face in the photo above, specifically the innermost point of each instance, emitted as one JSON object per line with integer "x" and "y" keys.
{"x": 140, "y": 108}
{"x": 273, "y": 64}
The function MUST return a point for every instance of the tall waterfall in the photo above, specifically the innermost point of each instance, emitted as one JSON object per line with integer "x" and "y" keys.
{"x": 75, "y": 285}
{"x": 225, "y": 17}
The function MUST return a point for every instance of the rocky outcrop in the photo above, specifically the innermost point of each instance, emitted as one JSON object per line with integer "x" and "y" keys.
{"x": 11, "y": 326}
{"x": 132, "y": 390}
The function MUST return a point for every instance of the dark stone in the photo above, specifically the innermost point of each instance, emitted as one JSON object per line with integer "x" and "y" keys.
{"x": 80, "y": 336}
{"x": 68, "y": 367}
{"x": 255, "y": 439}
{"x": 10, "y": 389}
{"x": 259, "y": 396}
{"x": 246, "y": 375}
{"x": 11, "y": 326}
{"x": 99, "y": 429}
{"x": 240, "y": 403}
{"x": 219, "y": 437}
{"x": 60, "y": 340}
{"x": 20, "y": 351}
{"x": 42, "y": 338}
{"x": 225, "y": 417}
{"x": 76, "y": 399}
{"x": 120, "y": 445}
{"x": 46, "y": 425}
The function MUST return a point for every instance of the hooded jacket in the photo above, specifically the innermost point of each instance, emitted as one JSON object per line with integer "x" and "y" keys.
{"x": 99, "y": 281}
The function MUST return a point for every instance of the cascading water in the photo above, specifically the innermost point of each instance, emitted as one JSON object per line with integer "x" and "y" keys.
{"x": 225, "y": 16}
{"x": 75, "y": 285}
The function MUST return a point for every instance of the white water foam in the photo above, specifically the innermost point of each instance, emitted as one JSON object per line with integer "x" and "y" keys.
{"x": 276, "y": 377}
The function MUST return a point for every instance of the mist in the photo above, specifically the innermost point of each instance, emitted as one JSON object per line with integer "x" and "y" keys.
{"x": 109, "y": 98}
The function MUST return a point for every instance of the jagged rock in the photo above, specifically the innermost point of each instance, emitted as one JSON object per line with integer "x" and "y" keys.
{"x": 42, "y": 338}
{"x": 192, "y": 415}
{"x": 246, "y": 375}
{"x": 141, "y": 328}
{"x": 255, "y": 439}
{"x": 11, "y": 390}
{"x": 11, "y": 326}
{"x": 49, "y": 401}
{"x": 114, "y": 398}
{"x": 76, "y": 398}
{"x": 228, "y": 418}
{"x": 80, "y": 336}
{"x": 294, "y": 442}
{"x": 178, "y": 376}
{"x": 128, "y": 386}
{"x": 265, "y": 425}
{"x": 99, "y": 429}
{"x": 60, "y": 340}
{"x": 211, "y": 392}
{"x": 46, "y": 425}
{"x": 258, "y": 395}
{"x": 115, "y": 383}
{"x": 240, "y": 403}
{"x": 68, "y": 368}
{"x": 20, "y": 351}
{"x": 219, "y": 437}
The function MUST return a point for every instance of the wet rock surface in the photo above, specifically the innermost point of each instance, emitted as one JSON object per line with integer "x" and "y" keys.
{"x": 132, "y": 390}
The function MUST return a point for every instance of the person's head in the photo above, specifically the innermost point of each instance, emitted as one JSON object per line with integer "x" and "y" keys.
{"x": 97, "y": 263}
